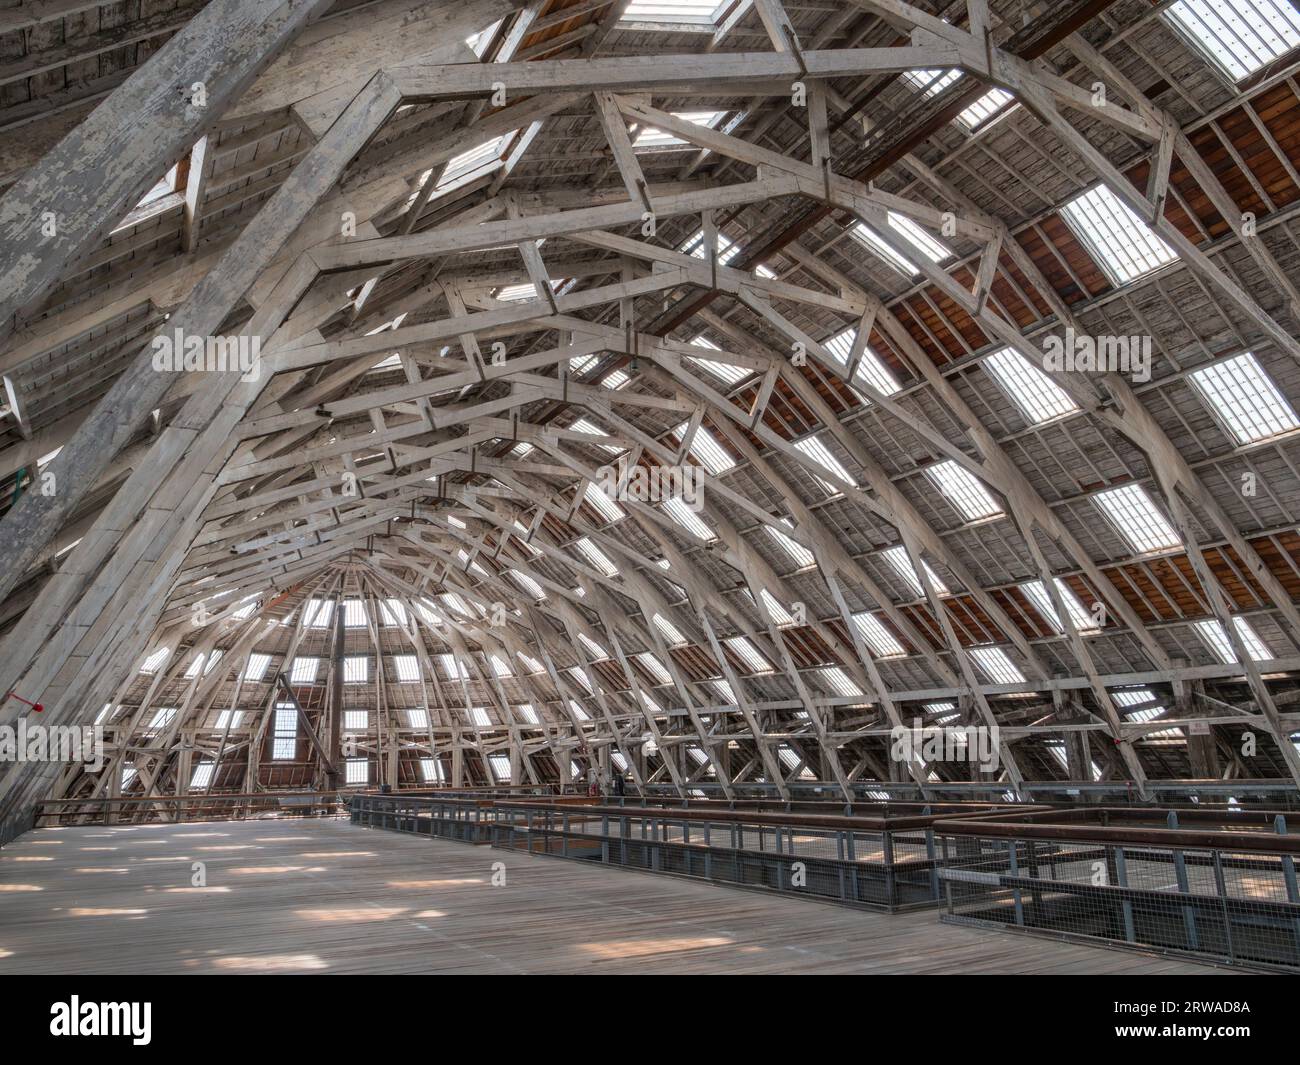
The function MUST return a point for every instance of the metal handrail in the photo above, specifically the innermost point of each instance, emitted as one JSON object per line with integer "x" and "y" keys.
{"x": 1173, "y": 838}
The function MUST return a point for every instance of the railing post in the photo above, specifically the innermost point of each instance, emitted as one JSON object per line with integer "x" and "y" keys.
{"x": 1013, "y": 866}
{"x": 1221, "y": 889}
{"x": 1121, "y": 878}
{"x": 1180, "y": 875}
{"x": 1288, "y": 876}
{"x": 930, "y": 856}
{"x": 887, "y": 852}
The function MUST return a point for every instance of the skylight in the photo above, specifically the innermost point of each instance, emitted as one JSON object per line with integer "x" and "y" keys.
{"x": 930, "y": 82}
{"x": 744, "y": 649}
{"x": 151, "y": 664}
{"x": 304, "y": 670}
{"x": 479, "y": 41}
{"x": 883, "y": 643}
{"x": 649, "y": 137}
{"x": 912, "y": 235}
{"x": 417, "y": 718}
{"x": 532, "y": 665}
{"x": 996, "y": 665}
{"x": 284, "y": 737}
{"x": 1038, "y": 397}
{"x": 671, "y": 632}
{"x": 500, "y": 667}
{"x": 356, "y": 720}
{"x": 478, "y": 717}
{"x": 229, "y": 719}
{"x": 1056, "y": 748}
{"x": 897, "y": 557}
{"x": 211, "y": 659}
{"x": 354, "y": 614}
{"x": 1037, "y": 594}
{"x": 317, "y": 613}
{"x": 431, "y": 771}
{"x": 670, "y": 12}
{"x": 1217, "y": 640}
{"x": 838, "y": 681}
{"x": 392, "y": 612}
{"x": 871, "y": 369}
{"x": 407, "y": 667}
{"x": 963, "y": 490}
{"x": 580, "y": 675}
{"x": 797, "y": 553}
{"x": 456, "y": 603}
{"x": 780, "y": 616}
{"x": 595, "y": 495}
{"x": 472, "y": 159}
{"x": 577, "y": 711}
{"x": 500, "y": 765}
{"x": 155, "y": 200}
{"x": 356, "y": 669}
{"x": 723, "y": 690}
{"x": 724, "y": 371}
{"x": 525, "y": 290}
{"x": 589, "y": 428}
{"x": 1137, "y": 519}
{"x": 654, "y": 667}
{"x": 1239, "y": 36}
{"x": 728, "y": 249}
{"x": 202, "y": 775}
{"x": 527, "y": 712}
{"x": 593, "y": 648}
{"x": 813, "y": 447}
{"x": 791, "y": 760}
{"x": 705, "y": 447}
{"x": 1121, "y": 243}
{"x": 452, "y": 667}
{"x": 1242, "y": 395}
{"x": 356, "y": 771}
{"x": 992, "y": 103}
{"x": 676, "y": 509}
{"x": 162, "y": 717}
{"x": 1139, "y": 697}
{"x": 528, "y": 584}
{"x": 596, "y": 557}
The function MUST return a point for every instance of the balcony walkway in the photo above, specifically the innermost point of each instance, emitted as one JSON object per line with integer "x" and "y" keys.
{"x": 327, "y": 896}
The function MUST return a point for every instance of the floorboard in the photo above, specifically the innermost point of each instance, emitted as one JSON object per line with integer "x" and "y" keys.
{"x": 326, "y": 896}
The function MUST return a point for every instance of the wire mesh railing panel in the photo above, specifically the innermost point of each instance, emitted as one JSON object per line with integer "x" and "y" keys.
{"x": 1222, "y": 905}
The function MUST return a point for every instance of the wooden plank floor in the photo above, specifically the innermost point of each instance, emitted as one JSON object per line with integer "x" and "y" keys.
{"x": 326, "y": 896}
